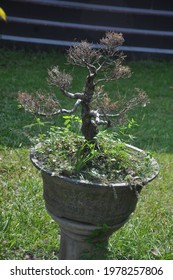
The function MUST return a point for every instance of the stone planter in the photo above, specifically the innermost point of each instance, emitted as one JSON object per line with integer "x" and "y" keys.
{"x": 82, "y": 209}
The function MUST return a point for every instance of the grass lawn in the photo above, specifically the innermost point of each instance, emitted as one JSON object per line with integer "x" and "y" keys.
{"x": 27, "y": 231}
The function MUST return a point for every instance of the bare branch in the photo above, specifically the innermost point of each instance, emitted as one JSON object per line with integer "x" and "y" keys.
{"x": 44, "y": 106}
{"x": 140, "y": 99}
{"x": 110, "y": 115}
{"x": 97, "y": 120}
{"x": 118, "y": 71}
{"x": 102, "y": 101}
{"x": 101, "y": 117}
{"x": 82, "y": 54}
{"x": 77, "y": 95}
{"x": 62, "y": 111}
{"x": 63, "y": 82}
{"x": 111, "y": 42}
{"x": 100, "y": 122}
{"x": 59, "y": 79}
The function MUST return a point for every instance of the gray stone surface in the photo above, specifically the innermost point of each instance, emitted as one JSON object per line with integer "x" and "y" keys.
{"x": 87, "y": 202}
{"x": 79, "y": 240}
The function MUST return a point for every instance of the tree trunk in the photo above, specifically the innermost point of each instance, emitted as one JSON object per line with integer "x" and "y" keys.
{"x": 89, "y": 129}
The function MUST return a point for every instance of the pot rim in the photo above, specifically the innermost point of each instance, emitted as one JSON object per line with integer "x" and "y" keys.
{"x": 95, "y": 184}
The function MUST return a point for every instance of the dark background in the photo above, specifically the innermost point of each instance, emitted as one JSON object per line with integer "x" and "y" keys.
{"x": 147, "y": 25}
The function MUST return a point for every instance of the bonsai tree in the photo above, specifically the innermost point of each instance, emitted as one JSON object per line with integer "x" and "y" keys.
{"x": 103, "y": 64}
{"x": 91, "y": 177}
{"x": 94, "y": 102}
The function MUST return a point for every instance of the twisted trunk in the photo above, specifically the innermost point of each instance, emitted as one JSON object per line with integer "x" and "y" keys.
{"x": 89, "y": 129}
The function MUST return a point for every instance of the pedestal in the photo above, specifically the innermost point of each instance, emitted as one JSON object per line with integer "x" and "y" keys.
{"x": 83, "y": 241}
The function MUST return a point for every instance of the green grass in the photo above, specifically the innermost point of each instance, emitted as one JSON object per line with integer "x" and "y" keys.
{"x": 27, "y": 231}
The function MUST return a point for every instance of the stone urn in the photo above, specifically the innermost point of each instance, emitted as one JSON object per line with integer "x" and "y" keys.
{"x": 88, "y": 213}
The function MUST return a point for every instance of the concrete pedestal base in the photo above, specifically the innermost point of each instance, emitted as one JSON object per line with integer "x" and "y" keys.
{"x": 83, "y": 241}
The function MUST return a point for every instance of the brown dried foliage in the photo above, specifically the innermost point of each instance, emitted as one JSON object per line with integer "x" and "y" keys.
{"x": 39, "y": 104}
{"x": 103, "y": 65}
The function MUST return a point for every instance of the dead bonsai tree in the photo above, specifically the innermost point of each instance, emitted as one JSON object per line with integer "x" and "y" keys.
{"x": 103, "y": 65}
{"x": 93, "y": 179}
{"x": 85, "y": 157}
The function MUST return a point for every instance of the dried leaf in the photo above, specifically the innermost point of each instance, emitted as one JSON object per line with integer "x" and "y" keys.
{"x": 3, "y": 14}
{"x": 155, "y": 251}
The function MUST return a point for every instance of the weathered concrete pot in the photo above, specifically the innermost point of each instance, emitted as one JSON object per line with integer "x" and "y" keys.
{"x": 82, "y": 240}
{"x": 88, "y": 206}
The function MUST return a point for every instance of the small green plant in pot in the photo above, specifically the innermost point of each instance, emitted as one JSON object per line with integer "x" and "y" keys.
{"x": 90, "y": 177}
